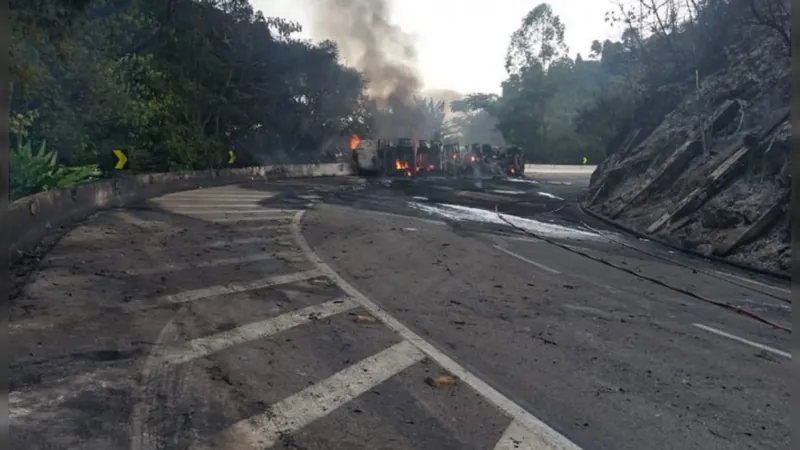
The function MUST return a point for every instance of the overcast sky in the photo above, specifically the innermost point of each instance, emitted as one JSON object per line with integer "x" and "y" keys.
{"x": 462, "y": 44}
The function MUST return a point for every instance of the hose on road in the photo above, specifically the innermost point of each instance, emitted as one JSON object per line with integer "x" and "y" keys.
{"x": 727, "y": 306}
{"x": 686, "y": 266}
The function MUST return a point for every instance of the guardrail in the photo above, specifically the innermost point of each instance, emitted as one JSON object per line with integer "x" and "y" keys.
{"x": 30, "y": 218}
{"x": 559, "y": 168}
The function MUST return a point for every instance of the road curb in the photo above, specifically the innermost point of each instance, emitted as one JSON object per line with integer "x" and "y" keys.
{"x": 664, "y": 242}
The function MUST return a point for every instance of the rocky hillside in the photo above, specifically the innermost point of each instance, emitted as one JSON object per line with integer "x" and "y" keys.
{"x": 708, "y": 167}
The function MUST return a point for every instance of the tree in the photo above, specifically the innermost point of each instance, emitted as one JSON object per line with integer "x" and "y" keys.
{"x": 176, "y": 83}
{"x": 432, "y": 124}
{"x": 538, "y": 41}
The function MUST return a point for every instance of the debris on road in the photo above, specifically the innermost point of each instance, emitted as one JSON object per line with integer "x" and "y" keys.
{"x": 441, "y": 381}
{"x": 365, "y": 320}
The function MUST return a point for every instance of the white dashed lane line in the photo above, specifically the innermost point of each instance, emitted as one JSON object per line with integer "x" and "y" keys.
{"x": 743, "y": 340}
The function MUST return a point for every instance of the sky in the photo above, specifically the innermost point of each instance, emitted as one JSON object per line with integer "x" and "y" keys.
{"x": 461, "y": 45}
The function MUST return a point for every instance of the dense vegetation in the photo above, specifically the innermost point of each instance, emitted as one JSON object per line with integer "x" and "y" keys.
{"x": 560, "y": 109}
{"x": 175, "y": 83}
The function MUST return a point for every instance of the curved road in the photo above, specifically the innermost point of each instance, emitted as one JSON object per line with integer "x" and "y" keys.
{"x": 386, "y": 314}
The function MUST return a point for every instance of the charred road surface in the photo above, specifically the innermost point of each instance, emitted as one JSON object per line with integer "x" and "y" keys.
{"x": 390, "y": 314}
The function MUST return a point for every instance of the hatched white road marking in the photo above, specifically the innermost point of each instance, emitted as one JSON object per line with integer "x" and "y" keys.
{"x": 550, "y": 439}
{"x": 211, "y": 263}
{"x": 196, "y": 195}
{"x": 743, "y": 340}
{"x": 276, "y": 229}
{"x": 270, "y": 217}
{"x": 232, "y": 288}
{"x": 319, "y": 400}
{"x": 152, "y": 370}
{"x": 204, "y": 346}
{"x": 529, "y": 261}
{"x": 221, "y": 213}
{"x": 84, "y": 256}
{"x": 212, "y": 206}
{"x": 517, "y": 437}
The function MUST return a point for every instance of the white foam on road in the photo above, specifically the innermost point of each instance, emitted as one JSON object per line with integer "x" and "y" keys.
{"x": 549, "y": 195}
{"x": 204, "y": 346}
{"x": 465, "y": 213}
{"x": 319, "y": 400}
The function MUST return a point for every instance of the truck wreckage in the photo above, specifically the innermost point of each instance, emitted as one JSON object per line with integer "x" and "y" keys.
{"x": 411, "y": 158}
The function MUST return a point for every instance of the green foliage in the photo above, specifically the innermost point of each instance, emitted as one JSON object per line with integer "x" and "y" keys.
{"x": 35, "y": 171}
{"x": 559, "y": 109}
{"x": 175, "y": 83}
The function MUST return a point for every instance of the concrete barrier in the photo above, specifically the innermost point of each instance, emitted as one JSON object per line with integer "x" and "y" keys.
{"x": 30, "y": 218}
{"x": 531, "y": 169}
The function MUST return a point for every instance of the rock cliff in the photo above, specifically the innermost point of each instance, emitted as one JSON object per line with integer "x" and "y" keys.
{"x": 706, "y": 164}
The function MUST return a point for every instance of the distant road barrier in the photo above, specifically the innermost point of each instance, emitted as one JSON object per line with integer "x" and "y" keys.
{"x": 556, "y": 168}
{"x": 30, "y": 218}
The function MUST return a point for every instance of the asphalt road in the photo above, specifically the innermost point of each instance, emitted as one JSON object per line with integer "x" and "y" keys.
{"x": 388, "y": 314}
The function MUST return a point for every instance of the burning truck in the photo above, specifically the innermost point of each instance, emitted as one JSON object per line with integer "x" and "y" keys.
{"x": 384, "y": 156}
{"x": 409, "y": 158}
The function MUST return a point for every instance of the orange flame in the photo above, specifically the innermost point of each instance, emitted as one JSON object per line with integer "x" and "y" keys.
{"x": 354, "y": 141}
{"x": 400, "y": 165}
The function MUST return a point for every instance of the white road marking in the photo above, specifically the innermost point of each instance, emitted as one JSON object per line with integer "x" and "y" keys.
{"x": 93, "y": 255}
{"x": 142, "y": 438}
{"x": 321, "y": 399}
{"x": 517, "y": 437}
{"x": 225, "y": 196}
{"x": 222, "y": 212}
{"x": 132, "y": 219}
{"x": 758, "y": 283}
{"x": 247, "y": 218}
{"x": 261, "y": 227}
{"x": 232, "y": 288}
{"x": 744, "y": 341}
{"x": 529, "y": 261}
{"x": 239, "y": 241}
{"x": 204, "y": 346}
{"x": 202, "y": 207}
{"x": 549, "y": 437}
{"x": 211, "y": 263}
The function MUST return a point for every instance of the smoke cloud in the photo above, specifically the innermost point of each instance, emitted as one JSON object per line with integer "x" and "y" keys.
{"x": 383, "y": 52}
